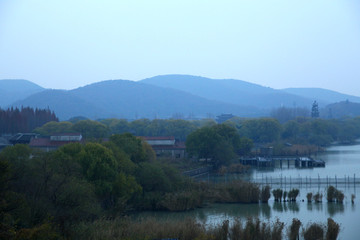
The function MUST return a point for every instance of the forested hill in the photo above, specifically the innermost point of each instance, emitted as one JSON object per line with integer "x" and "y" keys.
{"x": 322, "y": 95}
{"x": 341, "y": 109}
{"x": 129, "y": 99}
{"x": 12, "y": 90}
{"x": 231, "y": 91}
{"x": 167, "y": 96}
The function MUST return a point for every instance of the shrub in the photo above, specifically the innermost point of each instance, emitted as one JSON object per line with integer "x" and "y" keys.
{"x": 333, "y": 229}
{"x": 340, "y": 196}
{"x": 313, "y": 232}
{"x": 309, "y": 197}
{"x": 265, "y": 194}
{"x": 277, "y": 194}
{"x": 318, "y": 197}
{"x": 285, "y": 195}
{"x": 331, "y": 193}
{"x": 294, "y": 229}
{"x": 334, "y": 194}
{"x": 292, "y": 195}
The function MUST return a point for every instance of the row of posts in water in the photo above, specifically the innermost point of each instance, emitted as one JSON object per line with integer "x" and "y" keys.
{"x": 345, "y": 181}
{"x": 308, "y": 181}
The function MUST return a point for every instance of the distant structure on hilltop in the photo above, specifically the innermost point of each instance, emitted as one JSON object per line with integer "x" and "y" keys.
{"x": 224, "y": 117}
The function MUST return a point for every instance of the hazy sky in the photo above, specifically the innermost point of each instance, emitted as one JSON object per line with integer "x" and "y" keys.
{"x": 294, "y": 43}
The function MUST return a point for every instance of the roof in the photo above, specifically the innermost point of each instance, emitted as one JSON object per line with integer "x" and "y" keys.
{"x": 179, "y": 146}
{"x": 22, "y": 137}
{"x": 66, "y": 134}
{"x": 46, "y": 142}
{"x": 159, "y": 138}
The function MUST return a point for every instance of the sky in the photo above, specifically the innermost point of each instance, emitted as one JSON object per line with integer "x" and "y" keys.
{"x": 65, "y": 44}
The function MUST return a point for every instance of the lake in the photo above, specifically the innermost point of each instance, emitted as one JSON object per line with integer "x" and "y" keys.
{"x": 341, "y": 162}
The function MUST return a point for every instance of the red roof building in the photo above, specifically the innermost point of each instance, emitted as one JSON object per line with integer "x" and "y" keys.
{"x": 55, "y": 141}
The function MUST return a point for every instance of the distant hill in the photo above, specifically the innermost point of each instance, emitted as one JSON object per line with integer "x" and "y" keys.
{"x": 340, "y": 110}
{"x": 322, "y": 95}
{"x": 230, "y": 91}
{"x": 129, "y": 99}
{"x": 63, "y": 103}
{"x": 12, "y": 90}
{"x": 169, "y": 96}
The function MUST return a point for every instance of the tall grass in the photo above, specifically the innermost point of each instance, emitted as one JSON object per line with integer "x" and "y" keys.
{"x": 188, "y": 229}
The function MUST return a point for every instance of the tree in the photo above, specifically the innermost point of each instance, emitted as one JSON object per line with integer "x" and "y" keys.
{"x": 220, "y": 143}
{"x": 261, "y": 130}
{"x": 315, "y": 110}
{"x": 131, "y": 145}
{"x": 54, "y": 127}
{"x": 91, "y": 129}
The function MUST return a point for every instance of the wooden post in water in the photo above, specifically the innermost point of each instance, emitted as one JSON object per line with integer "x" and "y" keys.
{"x": 327, "y": 181}
{"x": 335, "y": 181}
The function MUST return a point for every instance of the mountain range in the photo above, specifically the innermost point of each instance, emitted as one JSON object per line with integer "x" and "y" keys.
{"x": 166, "y": 96}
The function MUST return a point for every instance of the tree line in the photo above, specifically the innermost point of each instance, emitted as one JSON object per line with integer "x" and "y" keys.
{"x": 301, "y": 130}
{"x": 25, "y": 119}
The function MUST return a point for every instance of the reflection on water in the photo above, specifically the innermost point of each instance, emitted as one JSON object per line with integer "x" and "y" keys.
{"x": 335, "y": 208}
{"x": 286, "y": 206}
{"x": 340, "y": 161}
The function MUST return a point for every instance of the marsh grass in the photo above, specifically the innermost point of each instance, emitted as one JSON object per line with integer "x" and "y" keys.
{"x": 189, "y": 229}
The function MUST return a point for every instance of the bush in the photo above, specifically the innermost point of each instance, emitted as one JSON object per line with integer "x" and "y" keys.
{"x": 333, "y": 229}
{"x": 292, "y": 195}
{"x": 285, "y": 195}
{"x": 277, "y": 194}
{"x": 265, "y": 194}
{"x": 182, "y": 201}
{"x": 313, "y": 232}
{"x": 335, "y": 195}
{"x": 309, "y": 197}
{"x": 318, "y": 197}
{"x": 331, "y": 193}
{"x": 294, "y": 229}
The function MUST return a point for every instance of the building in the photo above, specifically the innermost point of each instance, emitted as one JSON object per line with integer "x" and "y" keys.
{"x": 22, "y": 138}
{"x": 55, "y": 141}
{"x": 4, "y": 143}
{"x": 223, "y": 117}
{"x": 166, "y": 146}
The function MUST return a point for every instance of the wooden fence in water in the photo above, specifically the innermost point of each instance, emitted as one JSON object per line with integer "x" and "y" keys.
{"x": 345, "y": 181}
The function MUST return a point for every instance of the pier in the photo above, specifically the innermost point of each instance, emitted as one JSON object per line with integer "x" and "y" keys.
{"x": 283, "y": 162}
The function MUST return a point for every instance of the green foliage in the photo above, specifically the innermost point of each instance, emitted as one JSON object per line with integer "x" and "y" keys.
{"x": 220, "y": 143}
{"x": 153, "y": 178}
{"x": 44, "y": 231}
{"x": 235, "y": 192}
{"x": 54, "y": 127}
{"x": 261, "y": 130}
{"x": 91, "y": 129}
{"x": 131, "y": 145}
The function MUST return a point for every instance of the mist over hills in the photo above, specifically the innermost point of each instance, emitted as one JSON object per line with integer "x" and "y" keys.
{"x": 131, "y": 100}
{"x": 165, "y": 96}
{"x": 231, "y": 91}
{"x": 322, "y": 95}
{"x": 12, "y": 90}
